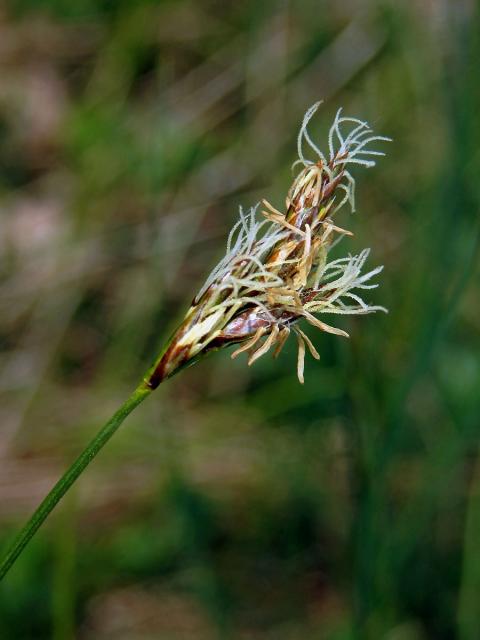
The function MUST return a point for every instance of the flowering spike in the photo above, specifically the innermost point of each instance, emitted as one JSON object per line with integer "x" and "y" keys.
{"x": 275, "y": 270}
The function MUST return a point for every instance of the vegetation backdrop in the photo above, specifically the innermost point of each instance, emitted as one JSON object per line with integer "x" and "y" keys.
{"x": 236, "y": 503}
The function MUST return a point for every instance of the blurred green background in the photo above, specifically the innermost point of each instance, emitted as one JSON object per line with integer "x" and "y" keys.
{"x": 236, "y": 503}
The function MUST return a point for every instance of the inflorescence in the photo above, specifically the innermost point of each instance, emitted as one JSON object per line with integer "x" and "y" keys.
{"x": 275, "y": 271}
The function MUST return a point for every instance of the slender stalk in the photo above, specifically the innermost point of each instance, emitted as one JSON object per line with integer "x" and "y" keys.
{"x": 69, "y": 477}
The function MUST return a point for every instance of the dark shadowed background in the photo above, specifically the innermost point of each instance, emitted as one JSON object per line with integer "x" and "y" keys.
{"x": 236, "y": 503}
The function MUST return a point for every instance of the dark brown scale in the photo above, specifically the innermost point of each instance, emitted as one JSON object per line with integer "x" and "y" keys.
{"x": 173, "y": 354}
{"x": 245, "y": 324}
{"x": 248, "y": 323}
{"x": 332, "y": 186}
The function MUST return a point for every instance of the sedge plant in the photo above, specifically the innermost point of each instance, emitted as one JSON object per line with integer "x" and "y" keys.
{"x": 275, "y": 274}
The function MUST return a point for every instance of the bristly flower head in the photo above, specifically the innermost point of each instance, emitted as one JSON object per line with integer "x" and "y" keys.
{"x": 275, "y": 271}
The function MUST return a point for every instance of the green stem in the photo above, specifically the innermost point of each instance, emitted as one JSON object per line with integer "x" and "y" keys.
{"x": 69, "y": 477}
